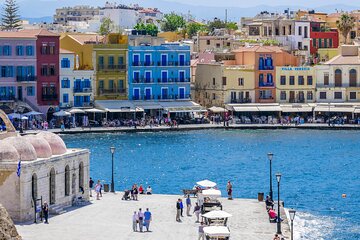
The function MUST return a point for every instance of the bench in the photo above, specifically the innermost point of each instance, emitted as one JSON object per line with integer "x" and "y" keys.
{"x": 190, "y": 192}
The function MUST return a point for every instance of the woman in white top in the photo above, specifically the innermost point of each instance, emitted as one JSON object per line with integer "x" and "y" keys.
{"x": 149, "y": 190}
{"x": 135, "y": 220}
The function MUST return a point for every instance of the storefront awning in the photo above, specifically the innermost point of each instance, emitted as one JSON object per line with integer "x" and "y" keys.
{"x": 334, "y": 108}
{"x": 147, "y": 105}
{"x": 182, "y": 106}
{"x": 117, "y": 106}
{"x": 245, "y": 109}
{"x": 270, "y": 108}
{"x": 292, "y": 108}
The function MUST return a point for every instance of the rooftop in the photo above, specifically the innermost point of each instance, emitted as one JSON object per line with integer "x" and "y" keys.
{"x": 259, "y": 49}
{"x": 31, "y": 33}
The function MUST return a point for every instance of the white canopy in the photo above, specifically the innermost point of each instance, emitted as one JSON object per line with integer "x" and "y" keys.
{"x": 62, "y": 113}
{"x": 216, "y": 231}
{"x": 206, "y": 183}
{"x": 33, "y": 113}
{"x": 117, "y": 106}
{"x": 76, "y": 110}
{"x": 217, "y": 109}
{"x": 211, "y": 193}
{"x": 24, "y": 118}
{"x": 217, "y": 214}
{"x": 94, "y": 110}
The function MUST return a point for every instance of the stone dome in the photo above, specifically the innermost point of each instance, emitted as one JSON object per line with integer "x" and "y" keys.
{"x": 56, "y": 143}
{"x": 42, "y": 147}
{"x": 8, "y": 152}
{"x": 24, "y": 148}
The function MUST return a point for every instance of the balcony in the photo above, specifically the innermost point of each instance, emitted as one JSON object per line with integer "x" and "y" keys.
{"x": 111, "y": 91}
{"x": 173, "y": 64}
{"x": 26, "y": 78}
{"x": 294, "y": 100}
{"x": 9, "y": 98}
{"x": 266, "y": 84}
{"x": 266, "y": 68}
{"x": 49, "y": 97}
{"x": 111, "y": 68}
{"x": 83, "y": 104}
{"x": 174, "y": 80}
{"x": 82, "y": 90}
{"x": 242, "y": 100}
{"x": 266, "y": 97}
{"x": 143, "y": 64}
{"x": 148, "y": 97}
{"x": 143, "y": 80}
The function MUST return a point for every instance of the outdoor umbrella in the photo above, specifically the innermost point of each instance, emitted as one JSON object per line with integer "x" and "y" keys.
{"x": 217, "y": 109}
{"x": 33, "y": 113}
{"x": 14, "y": 116}
{"x": 24, "y": 118}
{"x": 94, "y": 110}
{"x": 206, "y": 183}
{"x": 62, "y": 113}
{"x": 211, "y": 193}
{"x": 217, "y": 214}
{"x": 76, "y": 110}
{"x": 217, "y": 231}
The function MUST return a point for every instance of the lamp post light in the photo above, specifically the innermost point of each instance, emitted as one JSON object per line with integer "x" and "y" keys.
{"x": 278, "y": 178}
{"x": 270, "y": 157}
{"x": 112, "y": 150}
{"x": 292, "y": 216}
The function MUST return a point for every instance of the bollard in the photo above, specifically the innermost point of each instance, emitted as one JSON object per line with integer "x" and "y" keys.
{"x": 260, "y": 196}
{"x": 106, "y": 187}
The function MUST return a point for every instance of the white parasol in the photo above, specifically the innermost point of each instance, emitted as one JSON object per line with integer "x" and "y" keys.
{"x": 217, "y": 231}
{"x": 206, "y": 183}
{"x": 211, "y": 193}
{"x": 62, "y": 113}
{"x": 76, "y": 110}
{"x": 217, "y": 214}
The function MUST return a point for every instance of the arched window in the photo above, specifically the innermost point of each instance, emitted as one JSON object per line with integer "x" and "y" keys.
{"x": 261, "y": 80}
{"x": 81, "y": 176}
{"x": 338, "y": 78}
{"x": 352, "y": 77}
{"x": 261, "y": 63}
{"x": 67, "y": 180}
{"x": 34, "y": 186}
{"x": 52, "y": 186}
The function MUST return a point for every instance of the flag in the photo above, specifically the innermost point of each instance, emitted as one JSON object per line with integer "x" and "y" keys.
{"x": 18, "y": 172}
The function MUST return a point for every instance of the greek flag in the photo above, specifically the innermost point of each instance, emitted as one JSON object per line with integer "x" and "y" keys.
{"x": 18, "y": 172}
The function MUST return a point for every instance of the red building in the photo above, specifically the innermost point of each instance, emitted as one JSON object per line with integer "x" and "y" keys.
{"x": 322, "y": 37}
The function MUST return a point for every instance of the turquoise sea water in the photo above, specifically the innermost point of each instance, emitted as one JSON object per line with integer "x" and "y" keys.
{"x": 317, "y": 168}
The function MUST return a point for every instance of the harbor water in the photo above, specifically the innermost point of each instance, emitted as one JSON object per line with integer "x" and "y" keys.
{"x": 317, "y": 166}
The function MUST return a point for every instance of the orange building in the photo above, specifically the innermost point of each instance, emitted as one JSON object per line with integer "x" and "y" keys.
{"x": 265, "y": 59}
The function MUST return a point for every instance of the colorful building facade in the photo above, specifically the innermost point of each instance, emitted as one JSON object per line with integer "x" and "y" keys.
{"x": 159, "y": 72}
{"x": 321, "y": 37}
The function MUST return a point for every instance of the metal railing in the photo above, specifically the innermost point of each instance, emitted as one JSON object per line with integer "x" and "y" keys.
{"x": 111, "y": 67}
{"x": 49, "y": 97}
{"x": 242, "y": 100}
{"x": 104, "y": 91}
{"x": 26, "y": 78}
{"x": 7, "y": 98}
{"x": 82, "y": 90}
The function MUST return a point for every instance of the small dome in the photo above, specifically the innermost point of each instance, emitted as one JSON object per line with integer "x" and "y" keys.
{"x": 24, "y": 148}
{"x": 8, "y": 152}
{"x": 42, "y": 147}
{"x": 56, "y": 143}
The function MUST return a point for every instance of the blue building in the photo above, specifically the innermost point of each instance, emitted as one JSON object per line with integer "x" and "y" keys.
{"x": 159, "y": 73}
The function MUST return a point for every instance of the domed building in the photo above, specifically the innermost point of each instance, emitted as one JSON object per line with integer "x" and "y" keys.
{"x": 48, "y": 172}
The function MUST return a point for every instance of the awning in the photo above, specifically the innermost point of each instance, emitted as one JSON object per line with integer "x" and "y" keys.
{"x": 334, "y": 108}
{"x": 296, "y": 108}
{"x": 117, "y": 106}
{"x": 182, "y": 106}
{"x": 217, "y": 109}
{"x": 357, "y": 110}
{"x": 269, "y": 108}
{"x": 245, "y": 109}
{"x": 148, "y": 105}
{"x": 94, "y": 110}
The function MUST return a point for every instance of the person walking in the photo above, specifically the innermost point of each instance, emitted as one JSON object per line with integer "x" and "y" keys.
{"x": 148, "y": 218}
{"x": 181, "y": 208}
{"x": 197, "y": 211}
{"x": 135, "y": 220}
{"x": 98, "y": 190}
{"x": 188, "y": 205}
{"x": 201, "y": 231}
{"x": 45, "y": 210}
{"x": 178, "y": 210}
{"x": 141, "y": 220}
{"x": 229, "y": 190}
{"x": 136, "y": 192}
{"x": 91, "y": 185}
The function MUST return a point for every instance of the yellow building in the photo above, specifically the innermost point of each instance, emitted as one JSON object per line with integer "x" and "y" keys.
{"x": 82, "y": 45}
{"x": 110, "y": 62}
{"x": 325, "y": 54}
{"x": 295, "y": 85}
{"x": 217, "y": 85}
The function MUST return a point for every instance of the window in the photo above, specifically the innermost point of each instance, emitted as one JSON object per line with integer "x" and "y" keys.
{"x": 309, "y": 80}
{"x": 241, "y": 81}
{"x": 292, "y": 80}
{"x": 29, "y": 51}
{"x": 101, "y": 62}
{"x": 111, "y": 84}
{"x": 52, "y": 70}
{"x": 352, "y": 77}
{"x": 30, "y": 91}
{"x": 338, "y": 78}
{"x": 322, "y": 95}
{"x": 213, "y": 96}
{"x": 19, "y": 50}
{"x": 213, "y": 81}
{"x": 7, "y": 50}
{"x": 207, "y": 42}
{"x": 52, "y": 48}
{"x": 7, "y": 71}
{"x": 224, "y": 81}
{"x": 218, "y": 45}
{"x": 283, "y": 95}
{"x": 44, "y": 49}
{"x": 319, "y": 43}
{"x": 65, "y": 63}
{"x": 325, "y": 43}
{"x": 338, "y": 95}
{"x": 282, "y": 80}
{"x": 352, "y": 34}
{"x": 300, "y": 45}
{"x": 65, "y": 98}
{"x": 269, "y": 77}
{"x": 121, "y": 84}
{"x": 65, "y": 83}
{"x": 67, "y": 180}
{"x": 228, "y": 44}
{"x": 81, "y": 175}
{"x": 330, "y": 43}
{"x": 34, "y": 191}
{"x": 305, "y": 32}
{"x": 261, "y": 80}
{"x": 314, "y": 42}
{"x": 301, "y": 80}
{"x": 120, "y": 60}
{"x": 101, "y": 84}
{"x": 326, "y": 79}
{"x": 261, "y": 63}
{"x": 265, "y": 94}
{"x": 43, "y": 70}
{"x": 309, "y": 95}
{"x": 111, "y": 61}
{"x": 352, "y": 95}
{"x": 300, "y": 30}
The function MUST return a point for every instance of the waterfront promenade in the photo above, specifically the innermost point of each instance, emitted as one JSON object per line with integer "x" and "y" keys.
{"x": 111, "y": 218}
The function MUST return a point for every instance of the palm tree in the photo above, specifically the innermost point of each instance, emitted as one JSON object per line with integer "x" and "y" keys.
{"x": 345, "y": 24}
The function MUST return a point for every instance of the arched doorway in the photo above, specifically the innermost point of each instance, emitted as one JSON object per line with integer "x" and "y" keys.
{"x": 67, "y": 180}
{"x": 50, "y": 113}
{"x": 34, "y": 187}
{"x": 81, "y": 176}
{"x": 52, "y": 183}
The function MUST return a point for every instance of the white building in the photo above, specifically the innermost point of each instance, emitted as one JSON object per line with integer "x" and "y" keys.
{"x": 121, "y": 15}
{"x": 75, "y": 84}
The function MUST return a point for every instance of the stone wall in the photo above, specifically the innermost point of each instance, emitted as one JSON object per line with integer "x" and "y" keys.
{"x": 7, "y": 227}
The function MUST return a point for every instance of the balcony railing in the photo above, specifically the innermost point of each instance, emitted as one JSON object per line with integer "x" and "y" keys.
{"x": 7, "y": 98}
{"x": 172, "y": 80}
{"x": 162, "y": 97}
{"x": 143, "y": 64}
{"x": 83, "y": 104}
{"x": 105, "y": 91}
{"x": 294, "y": 100}
{"x": 266, "y": 68}
{"x": 82, "y": 90}
{"x": 266, "y": 97}
{"x": 173, "y": 64}
{"x": 242, "y": 100}
{"x": 112, "y": 68}
{"x": 266, "y": 84}
{"x": 49, "y": 97}
{"x": 26, "y": 78}
{"x": 143, "y": 80}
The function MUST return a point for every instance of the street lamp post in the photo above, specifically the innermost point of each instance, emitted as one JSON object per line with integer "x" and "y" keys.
{"x": 270, "y": 157}
{"x": 292, "y": 216}
{"x": 278, "y": 178}
{"x": 112, "y": 150}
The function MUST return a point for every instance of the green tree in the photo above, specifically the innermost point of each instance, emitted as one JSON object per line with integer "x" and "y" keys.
{"x": 345, "y": 24}
{"x": 216, "y": 24}
{"x": 151, "y": 29}
{"x": 193, "y": 28}
{"x": 106, "y": 27}
{"x": 10, "y": 18}
{"x": 232, "y": 26}
{"x": 172, "y": 22}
